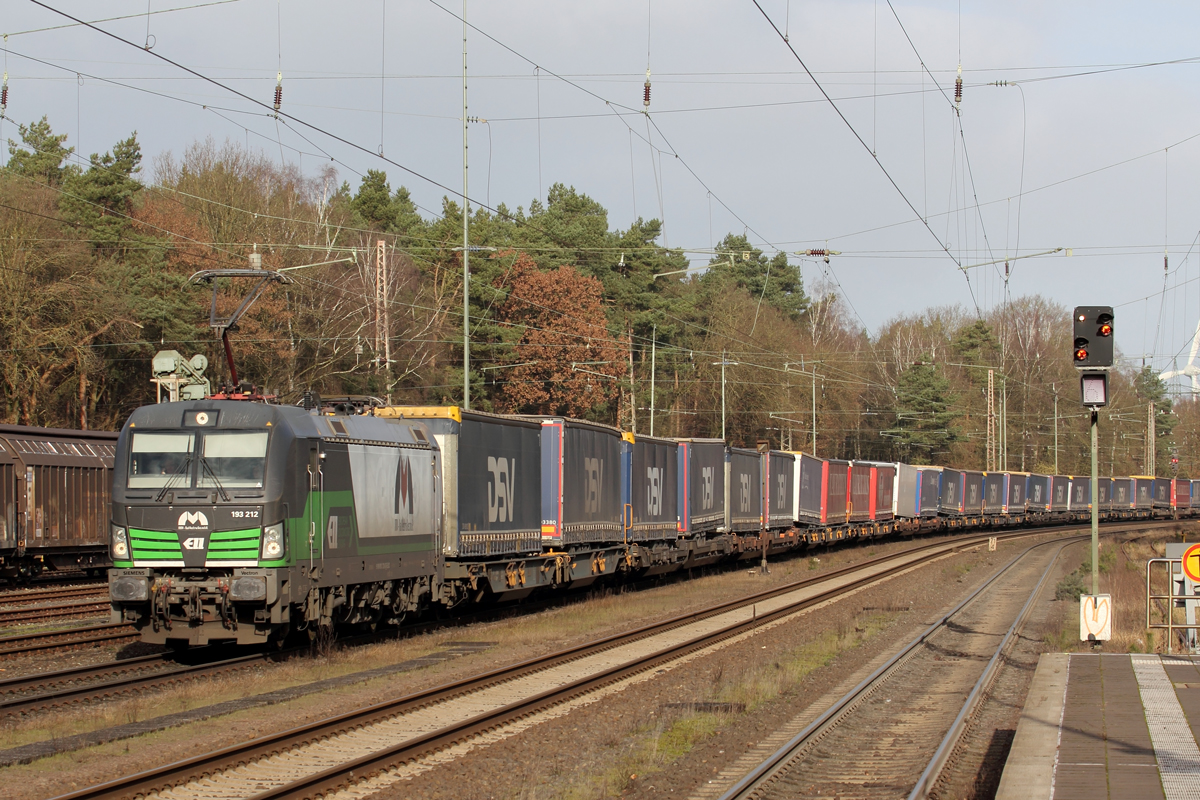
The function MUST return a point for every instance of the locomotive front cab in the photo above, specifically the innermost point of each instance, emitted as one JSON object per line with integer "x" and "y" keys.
{"x": 198, "y": 521}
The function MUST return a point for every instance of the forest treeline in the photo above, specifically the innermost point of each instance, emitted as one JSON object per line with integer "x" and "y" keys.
{"x": 568, "y": 316}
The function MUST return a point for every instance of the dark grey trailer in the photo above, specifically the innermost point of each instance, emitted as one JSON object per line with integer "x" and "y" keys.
{"x": 994, "y": 492}
{"x": 931, "y": 490}
{"x": 1123, "y": 494}
{"x": 1143, "y": 488}
{"x": 951, "y": 501}
{"x": 743, "y": 490}
{"x": 653, "y": 488}
{"x": 582, "y": 499}
{"x": 972, "y": 502}
{"x": 1060, "y": 493}
{"x": 1162, "y": 492}
{"x": 701, "y": 485}
{"x": 778, "y": 488}
{"x": 1018, "y": 489}
{"x": 1037, "y": 497}
{"x": 491, "y": 481}
{"x": 1104, "y": 493}
{"x": 1080, "y": 494}
{"x": 808, "y": 491}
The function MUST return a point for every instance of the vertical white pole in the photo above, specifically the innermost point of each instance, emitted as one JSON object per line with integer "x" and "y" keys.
{"x": 1095, "y": 508}
{"x": 653, "y": 346}
{"x": 466, "y": 250}
{"x": 1054, "y": 389}
{"x": 723, "y": 397}
{"x": 814, "y": 413}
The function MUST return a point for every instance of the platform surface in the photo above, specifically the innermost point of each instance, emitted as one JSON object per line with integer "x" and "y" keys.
{"x": 1117, "y": 726}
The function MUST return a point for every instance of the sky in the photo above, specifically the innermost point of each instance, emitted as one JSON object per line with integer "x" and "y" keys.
{"x": 1090, "y": 142}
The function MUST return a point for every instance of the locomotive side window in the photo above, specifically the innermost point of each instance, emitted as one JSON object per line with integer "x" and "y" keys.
{"x": 157, "y": 458}
{"x": 233, "y": 459}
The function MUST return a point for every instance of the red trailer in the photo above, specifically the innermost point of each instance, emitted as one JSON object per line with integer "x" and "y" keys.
{"x": 859, "y": 508}
{"x": 835, "y": 492}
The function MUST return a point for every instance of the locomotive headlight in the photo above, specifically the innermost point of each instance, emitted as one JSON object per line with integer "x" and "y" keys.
{"x": 272, "y": 542}
{"x": 119, "y": 543}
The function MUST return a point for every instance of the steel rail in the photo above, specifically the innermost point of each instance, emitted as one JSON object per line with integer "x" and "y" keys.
{"x": 207, "y": 764}
{"x": 34, "y": 613}
{"x": 92, "y": 634}
{"x": 337, "y": 777}
{"x": 770, "y": 766}
{"x": 21, "y": 596}
{"x": 931, "y": 772}
{"x": 121, "y": 685}
{"x": 10, "y": 686}
{"x": 210, "y": 763}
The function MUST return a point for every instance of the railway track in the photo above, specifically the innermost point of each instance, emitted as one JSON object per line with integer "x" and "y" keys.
{"x": 17, "y": 616}
{"x": 369, "y": 744}
{"x": 27, "y": 596}
{"x": 909, "y": 713}
{"x": 87, "y": 635}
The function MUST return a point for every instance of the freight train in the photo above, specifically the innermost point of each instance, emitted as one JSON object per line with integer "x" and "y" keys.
{"x": 55, "y": 500}
{"x": 237, "y": 521}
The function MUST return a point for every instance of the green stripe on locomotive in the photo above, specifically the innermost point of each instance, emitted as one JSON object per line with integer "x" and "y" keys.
{"x": 320, "y": 507}
{"x": 158, "y": 546}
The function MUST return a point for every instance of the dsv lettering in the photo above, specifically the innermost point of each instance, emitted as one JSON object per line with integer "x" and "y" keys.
{"x": 744, "y": 505}
{"x": 781, "y": 495}
{"x": 706, "y": 488}
{"x": 501, "y": 489}
{"x": 593, "y": 480}
{"x": 654, "y": 491}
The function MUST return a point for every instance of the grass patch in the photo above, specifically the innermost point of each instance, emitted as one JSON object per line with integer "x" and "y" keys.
{"x": 677, "y": 733}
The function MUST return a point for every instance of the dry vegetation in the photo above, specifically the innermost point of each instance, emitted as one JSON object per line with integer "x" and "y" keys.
{"x": 1122, "y": 568}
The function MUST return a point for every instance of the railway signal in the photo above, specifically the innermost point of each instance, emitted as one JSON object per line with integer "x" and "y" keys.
{"x": 1093, "y": 340}
{"x": 1092, "y": 352}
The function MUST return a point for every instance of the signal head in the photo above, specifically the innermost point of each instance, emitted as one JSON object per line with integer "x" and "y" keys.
{"x": 1093, "y": 322}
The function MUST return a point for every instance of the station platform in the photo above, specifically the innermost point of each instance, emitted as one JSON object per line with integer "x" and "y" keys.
{"x": 1116, "y": 726}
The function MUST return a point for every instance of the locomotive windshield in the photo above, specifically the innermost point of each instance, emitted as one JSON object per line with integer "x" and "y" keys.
{"x": 227, "y": 459}
{"x": 233, "y": 459}
{"x": 160, "y": 457}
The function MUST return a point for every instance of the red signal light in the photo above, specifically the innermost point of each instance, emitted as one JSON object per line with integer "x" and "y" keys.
{"x": 1105, "y": 329}
{"x": 1081, "y": 354}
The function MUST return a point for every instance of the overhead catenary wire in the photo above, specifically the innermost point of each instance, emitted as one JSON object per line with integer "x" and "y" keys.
{"x": 857, "y": 136}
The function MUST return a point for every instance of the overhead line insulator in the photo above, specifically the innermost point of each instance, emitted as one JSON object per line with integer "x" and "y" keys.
{"x": 958, "y": 87}
{"x": 646, "y": 92}
{"x": 278, "y": 91}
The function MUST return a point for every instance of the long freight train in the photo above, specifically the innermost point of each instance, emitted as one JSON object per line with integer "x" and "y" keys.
{"x": 55, "y": 500}
{"x": 242, "y": 521}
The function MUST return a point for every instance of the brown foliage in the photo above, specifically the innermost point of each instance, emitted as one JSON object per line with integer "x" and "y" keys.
{"x": 567, "y": 361}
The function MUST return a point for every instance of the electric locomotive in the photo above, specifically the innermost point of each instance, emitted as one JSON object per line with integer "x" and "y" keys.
{"x": 238, "y": 521}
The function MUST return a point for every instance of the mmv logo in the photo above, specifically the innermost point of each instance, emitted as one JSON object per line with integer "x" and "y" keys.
{"x": 193, "y": 520}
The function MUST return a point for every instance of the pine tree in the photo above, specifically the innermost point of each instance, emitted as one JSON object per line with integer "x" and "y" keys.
{"x": 925, "y": 413}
